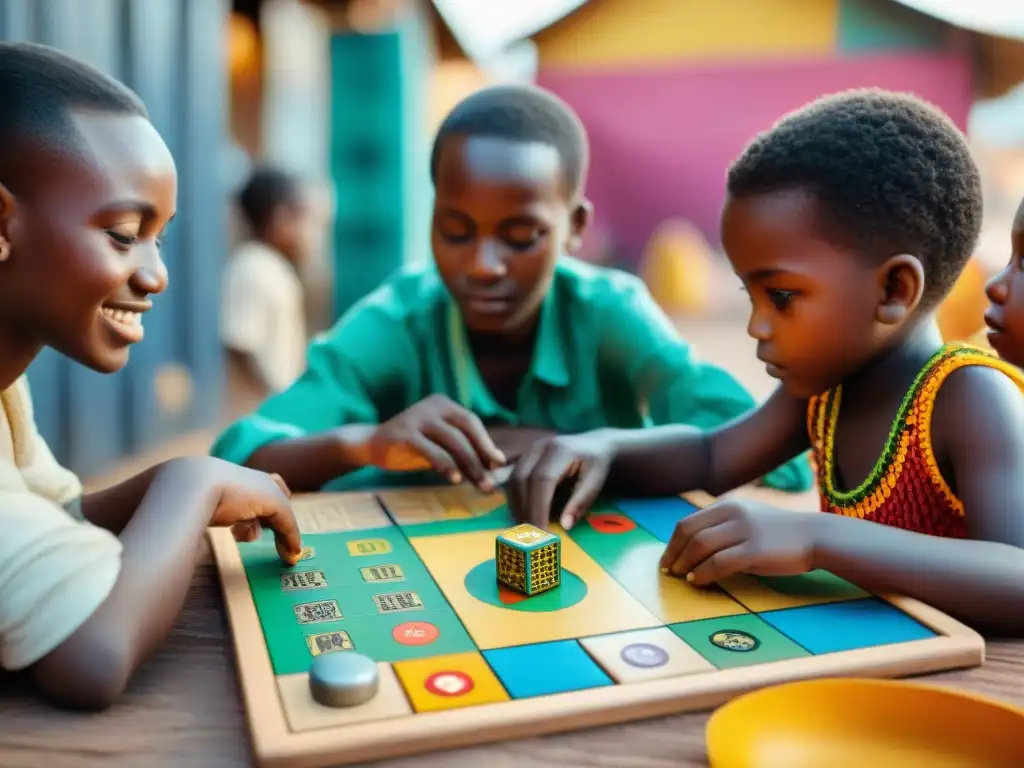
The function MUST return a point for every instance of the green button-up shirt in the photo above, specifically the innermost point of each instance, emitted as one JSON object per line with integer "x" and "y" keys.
{"x": 605, "y": 356}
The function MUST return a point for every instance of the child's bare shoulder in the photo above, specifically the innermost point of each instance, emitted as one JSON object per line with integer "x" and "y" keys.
{"x": 980, "y": 404}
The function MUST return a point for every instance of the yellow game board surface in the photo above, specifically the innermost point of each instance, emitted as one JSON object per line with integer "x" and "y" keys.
{"x": 409, "y": 579}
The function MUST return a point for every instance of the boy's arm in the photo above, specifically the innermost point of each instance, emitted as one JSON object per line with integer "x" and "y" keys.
{"x": 639, "y": 339}
{"x": 79, "y": 608}
{"x": 978, "y": 423}
{"x": 112, "y": 508}
{"x": 308, "y": 432}
{"x": 673, "y": 459}
{"x": 90, "y": 667}
{"x": 655, "y": 462}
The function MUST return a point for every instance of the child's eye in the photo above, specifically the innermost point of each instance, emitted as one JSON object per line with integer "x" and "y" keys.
{"x": 121, "y": 238}
{"x": 781, "y": 299}
{"x": 522, "y": 236}
{"x": 518, "y": 244}
{"x": 457, "y": 239}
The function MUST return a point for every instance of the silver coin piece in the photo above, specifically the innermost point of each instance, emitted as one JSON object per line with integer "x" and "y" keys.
{"x": 343, "y": 679}
{"x": 644, "y": 655}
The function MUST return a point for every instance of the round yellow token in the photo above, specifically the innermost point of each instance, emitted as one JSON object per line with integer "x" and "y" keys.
{"x": 853, "y": 723}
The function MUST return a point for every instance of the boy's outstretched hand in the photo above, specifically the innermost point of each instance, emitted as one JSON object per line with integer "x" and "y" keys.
{"x": 538, "y": 479}
{"x": 741, "y": 536}
{"x": 248, "y": 500}
{"x": 439, "y": 434}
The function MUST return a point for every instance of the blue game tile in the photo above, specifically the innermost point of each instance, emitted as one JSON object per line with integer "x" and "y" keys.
{"x": 658, "y": 516}
{"x": 847, "y": 625}
{"x": 545, "y": 668}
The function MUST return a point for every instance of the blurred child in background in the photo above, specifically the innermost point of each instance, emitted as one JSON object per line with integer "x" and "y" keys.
{"x": 263, "y": 320}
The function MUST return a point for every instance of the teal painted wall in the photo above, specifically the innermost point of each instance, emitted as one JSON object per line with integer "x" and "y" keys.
{"x": 883, "y": 25}
{"x": 379, "y": 88}
{"x": 366, "y": 162}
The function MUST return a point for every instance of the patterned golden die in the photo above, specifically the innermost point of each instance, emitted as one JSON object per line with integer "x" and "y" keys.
{"x": 529, "y": 560}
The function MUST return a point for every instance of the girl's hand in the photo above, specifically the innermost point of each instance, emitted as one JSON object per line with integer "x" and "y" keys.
{"x": 741, "y": 536}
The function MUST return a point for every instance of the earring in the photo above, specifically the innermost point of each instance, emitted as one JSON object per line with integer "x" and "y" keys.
{"x": 5, "y": 250}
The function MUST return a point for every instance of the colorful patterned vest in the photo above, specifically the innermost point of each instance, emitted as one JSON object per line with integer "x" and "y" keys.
{"x": 905, "y": 489}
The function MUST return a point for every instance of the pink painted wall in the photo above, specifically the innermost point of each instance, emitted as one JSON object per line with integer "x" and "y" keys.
{"x": 661, "y": 141}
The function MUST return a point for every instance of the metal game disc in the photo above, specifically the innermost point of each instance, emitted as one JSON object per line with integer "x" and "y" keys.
{"x": 343, "y": 679}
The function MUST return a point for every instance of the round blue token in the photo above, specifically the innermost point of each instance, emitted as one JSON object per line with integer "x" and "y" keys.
{"x": 343, "y": 679}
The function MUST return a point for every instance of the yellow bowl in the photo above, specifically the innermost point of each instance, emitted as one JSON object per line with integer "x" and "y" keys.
{"x": 853, "y": 723}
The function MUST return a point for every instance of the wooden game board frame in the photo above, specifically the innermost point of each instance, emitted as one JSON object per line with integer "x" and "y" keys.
{"x": 275, "y": 744}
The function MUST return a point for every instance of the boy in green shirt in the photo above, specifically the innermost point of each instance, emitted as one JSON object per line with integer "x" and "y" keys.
{"x": 458, "y": 366}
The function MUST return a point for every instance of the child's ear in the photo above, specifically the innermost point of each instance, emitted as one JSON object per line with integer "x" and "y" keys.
{"x": 7, "y": 207}
{"x": 578, "y": 223}
{"x": 901, "y": 285}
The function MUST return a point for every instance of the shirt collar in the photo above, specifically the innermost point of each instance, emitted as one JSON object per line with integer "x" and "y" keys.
{"x": 549, "y": 363}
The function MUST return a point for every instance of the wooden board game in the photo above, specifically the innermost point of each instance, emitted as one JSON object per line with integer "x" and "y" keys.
{"x": 408, "y": 578}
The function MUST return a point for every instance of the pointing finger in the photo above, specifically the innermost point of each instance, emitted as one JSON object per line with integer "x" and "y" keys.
{"x": 589, "y": 483}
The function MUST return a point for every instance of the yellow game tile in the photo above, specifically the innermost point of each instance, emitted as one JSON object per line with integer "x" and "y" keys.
{"x": 670, "y": 598}
{"x": 418, "y": 507}
{"x": 450, "y": 682}
{"x": 649, "y": 654}
{"x": 303, "y": 713}
{"x": 587, "y": 602}
{"x": 334, "y": 512}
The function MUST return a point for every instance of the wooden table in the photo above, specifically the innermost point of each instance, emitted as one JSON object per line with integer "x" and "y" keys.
{"x": 184, "y": 710}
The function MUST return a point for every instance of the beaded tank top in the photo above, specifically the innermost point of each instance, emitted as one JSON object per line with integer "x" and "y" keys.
{"x": 905, "y": 489}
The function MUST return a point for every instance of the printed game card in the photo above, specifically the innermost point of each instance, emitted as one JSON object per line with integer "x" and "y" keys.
{"x": 327, "y": 642}
{"x": 317, "y": 612}
{"x": 294, "y": 580}
{"x": 395, "y": 602}
{"x": 383, "y": 573}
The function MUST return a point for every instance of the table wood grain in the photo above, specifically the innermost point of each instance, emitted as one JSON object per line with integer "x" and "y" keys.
{"x": 184, "y": 710}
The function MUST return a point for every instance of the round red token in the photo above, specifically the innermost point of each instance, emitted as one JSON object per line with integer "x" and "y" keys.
{"x": 611, "y": 523}
{"x": 415, "y": 633}
{"x": 449, "y": 683}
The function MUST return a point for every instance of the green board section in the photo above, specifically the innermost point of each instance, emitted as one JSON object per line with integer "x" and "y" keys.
{"x": 482, "y": 583}
{"x": 814, "y": 584}
{"x": 629, "y": 557}
{"x": 882, "y": 25}
{"x": 737, "y": 641}
{"x": 341, "y": 558}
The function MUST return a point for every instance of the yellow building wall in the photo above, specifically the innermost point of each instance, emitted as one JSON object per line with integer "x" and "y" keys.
{"x": 618, "y": 33}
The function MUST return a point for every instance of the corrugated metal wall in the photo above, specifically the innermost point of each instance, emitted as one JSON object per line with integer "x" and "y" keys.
{"x": 172, "y": 53}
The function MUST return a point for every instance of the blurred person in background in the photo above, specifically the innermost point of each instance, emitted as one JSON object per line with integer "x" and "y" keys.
{"x": 263, "y": 319}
